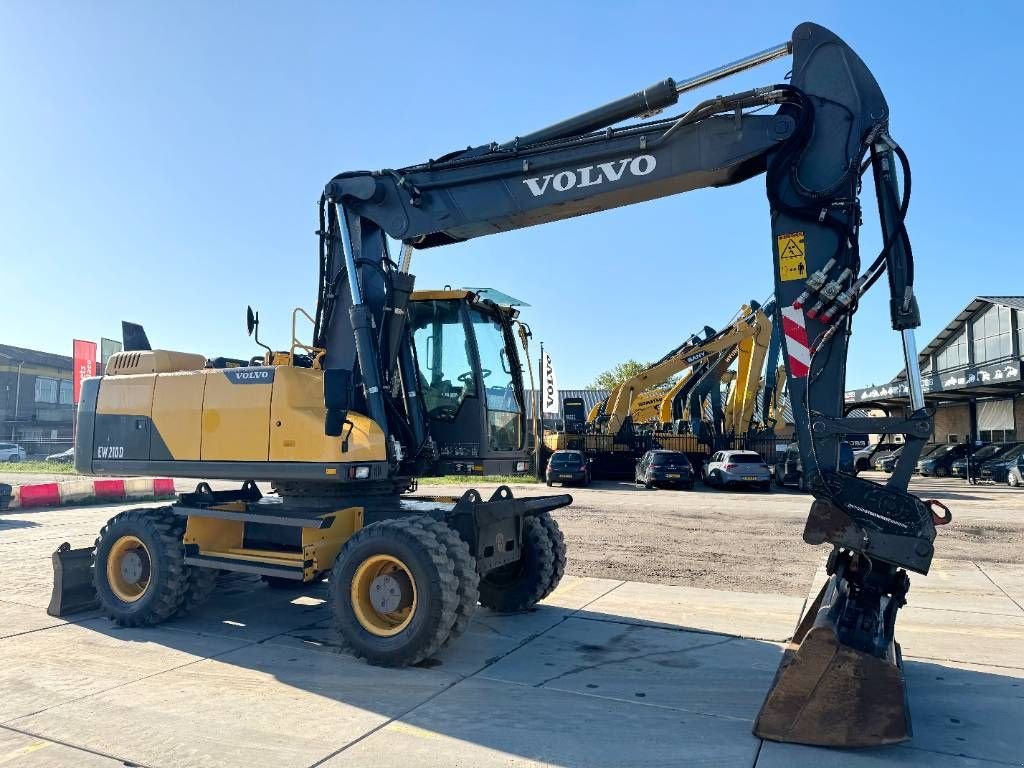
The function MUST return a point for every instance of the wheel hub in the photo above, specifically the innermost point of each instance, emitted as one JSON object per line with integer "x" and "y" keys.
{"x": 383, "y": 595}
{"x": 132, "y": 567}
{"x": 129, "y": 568}
{"x": 390, "y": 592}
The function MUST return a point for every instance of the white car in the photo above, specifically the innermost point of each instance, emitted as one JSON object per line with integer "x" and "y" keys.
{"x": 11, "y": 452}
{"x": 727, "y": 468}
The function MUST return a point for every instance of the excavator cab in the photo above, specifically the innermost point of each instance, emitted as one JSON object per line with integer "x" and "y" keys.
{"x": 471, "y": 379}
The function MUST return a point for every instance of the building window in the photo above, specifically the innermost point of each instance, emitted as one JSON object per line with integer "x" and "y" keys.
{"x": 991, "y": 333}
{"x": 65, "y": 392}
{"x": 1020, "y": 331}
{"x": 952, "y": 438}
{"x": 46, "y": 390}
{"x": 997, "y": 435}
{"x": 954, "y": 354}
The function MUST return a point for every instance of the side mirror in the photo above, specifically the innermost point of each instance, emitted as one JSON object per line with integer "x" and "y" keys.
{"x": 252, "y": 319}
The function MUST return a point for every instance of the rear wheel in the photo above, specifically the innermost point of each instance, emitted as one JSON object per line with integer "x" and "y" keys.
{"x": 521, "y": 585}
{"x": 465, "y": 572}
{"x": 202, "y": 582}
{"x": 942, "y": 472}
{"x": 138, "y": 570}
{"x": 393, "y": 593}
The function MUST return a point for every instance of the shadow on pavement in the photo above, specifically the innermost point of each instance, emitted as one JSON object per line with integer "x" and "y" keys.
{"x": 559, "y": 685}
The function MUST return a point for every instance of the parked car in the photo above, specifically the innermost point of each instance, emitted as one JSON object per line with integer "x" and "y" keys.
{"x": 979, "y": 457}
{"x": 64, "y": 457}
{"x": 888, "y": 463}
{"x": 940, "y": 461}
{"x": 727, "y": 468}
{"x": 789, "y": 467}
{"x": 865, "y": 458}
{"x": 1008, "y": 468}
{"x": 884, "y": 461}
{"x": 661, "y": 468}
{"x": 12, "y": 452}
{"x": 568, "y": 467}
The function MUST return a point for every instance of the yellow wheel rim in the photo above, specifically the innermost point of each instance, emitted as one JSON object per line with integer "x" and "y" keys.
{"x": 383, "y": 595}
{"x": 129, "y": 569}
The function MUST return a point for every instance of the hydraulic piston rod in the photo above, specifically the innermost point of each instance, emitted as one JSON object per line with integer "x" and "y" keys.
{"x": 648, "y": 101}
{"x": 740, "y": 65}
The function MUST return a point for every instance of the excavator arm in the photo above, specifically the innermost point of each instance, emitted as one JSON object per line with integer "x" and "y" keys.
{"x": 623, "y": 398}
{"x": 841, "y": 682}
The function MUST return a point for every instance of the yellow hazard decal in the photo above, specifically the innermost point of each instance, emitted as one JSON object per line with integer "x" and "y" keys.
{"x": 792, "y": 264}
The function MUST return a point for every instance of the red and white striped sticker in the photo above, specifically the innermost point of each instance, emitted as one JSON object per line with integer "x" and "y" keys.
{"x": 797, "y": 348}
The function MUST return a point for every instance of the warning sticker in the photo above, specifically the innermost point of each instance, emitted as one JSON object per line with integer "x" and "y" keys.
{"x": 792, "y": 264}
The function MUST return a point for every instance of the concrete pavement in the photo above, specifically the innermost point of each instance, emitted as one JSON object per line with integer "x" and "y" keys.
{"x": 604, "y": 673}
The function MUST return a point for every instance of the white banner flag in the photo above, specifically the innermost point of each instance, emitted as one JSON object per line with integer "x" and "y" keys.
{"x": 549, "y": 388}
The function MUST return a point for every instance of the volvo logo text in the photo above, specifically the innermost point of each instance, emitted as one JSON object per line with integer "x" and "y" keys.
{"x": 591, "y": 175}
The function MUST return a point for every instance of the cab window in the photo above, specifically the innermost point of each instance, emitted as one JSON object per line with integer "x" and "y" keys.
{"x": 442, "y": 350}
{"x": 498, "y": 383}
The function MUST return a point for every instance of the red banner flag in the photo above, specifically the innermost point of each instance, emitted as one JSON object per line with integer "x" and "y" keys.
{"x": 85, "y": 365}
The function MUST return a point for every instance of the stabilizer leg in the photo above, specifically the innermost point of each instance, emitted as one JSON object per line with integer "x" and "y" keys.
{"x": 840, "y": 683}
{"x": 73, "y": 589}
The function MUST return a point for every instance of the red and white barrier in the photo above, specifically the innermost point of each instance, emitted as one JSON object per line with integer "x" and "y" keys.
{"x": 88, "y": 489}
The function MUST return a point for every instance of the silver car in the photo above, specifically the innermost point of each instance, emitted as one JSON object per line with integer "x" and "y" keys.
{"x": 11, "y": 452}
{"x": 727, "y": 468}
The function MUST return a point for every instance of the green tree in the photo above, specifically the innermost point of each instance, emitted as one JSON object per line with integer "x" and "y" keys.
{"x": 622, "y": 372}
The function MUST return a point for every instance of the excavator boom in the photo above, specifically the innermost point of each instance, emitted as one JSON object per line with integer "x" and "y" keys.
{"x": 831, "y": 125}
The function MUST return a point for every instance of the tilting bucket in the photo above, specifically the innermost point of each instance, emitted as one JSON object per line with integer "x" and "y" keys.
{"x": 831, "y": 695}
{"x": 73, "y": 590}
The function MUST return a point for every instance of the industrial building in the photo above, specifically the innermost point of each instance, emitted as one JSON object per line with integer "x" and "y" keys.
{"x": 35, "y": 400}
{"x": 970, "y": 375}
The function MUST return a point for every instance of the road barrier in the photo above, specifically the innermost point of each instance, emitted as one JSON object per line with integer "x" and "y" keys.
{"x": 83, "y": 490}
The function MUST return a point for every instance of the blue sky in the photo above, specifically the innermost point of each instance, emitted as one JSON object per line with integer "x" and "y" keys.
{"x": 162, "y": 163}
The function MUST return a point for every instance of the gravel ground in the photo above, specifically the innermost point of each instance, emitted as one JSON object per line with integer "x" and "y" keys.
{"x": 742, "y": 541}
{"x": 752, "y": 541}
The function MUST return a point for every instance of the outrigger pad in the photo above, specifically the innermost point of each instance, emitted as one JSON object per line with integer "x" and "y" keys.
{"x": 830, "y": 695}
{"x": 73, "y": 591}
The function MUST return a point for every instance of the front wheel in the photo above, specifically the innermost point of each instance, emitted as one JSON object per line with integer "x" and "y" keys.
{"x": 14, "y": 459}
{"x": 393, "y": 593}
{"x": 942, "y": 472}
{"x": 138, "y": 567}
{"x": 521, "y": 585}
{"x": 1013, "y": 479}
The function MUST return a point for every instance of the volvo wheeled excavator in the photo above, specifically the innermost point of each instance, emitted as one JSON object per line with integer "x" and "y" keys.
{"x": 407, "y": 573}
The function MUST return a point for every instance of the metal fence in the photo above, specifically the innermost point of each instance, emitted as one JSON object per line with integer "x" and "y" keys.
{"x": 616, "y": 456}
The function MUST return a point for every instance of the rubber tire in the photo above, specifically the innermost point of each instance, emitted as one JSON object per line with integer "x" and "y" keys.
{"x": 549, "y": 483}
{"x": 521, "y": 585}
{"x": 942, "y": 472}
{"x": 558, "y": 549}
{"x": 1012, "y": 479}
{"x": 465, "y": 572}
{"x": 161, "y": 531}
{"x": 436, "y": 587}
{"x": 202, "y": 582}
{"x": 14, "y": 459}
